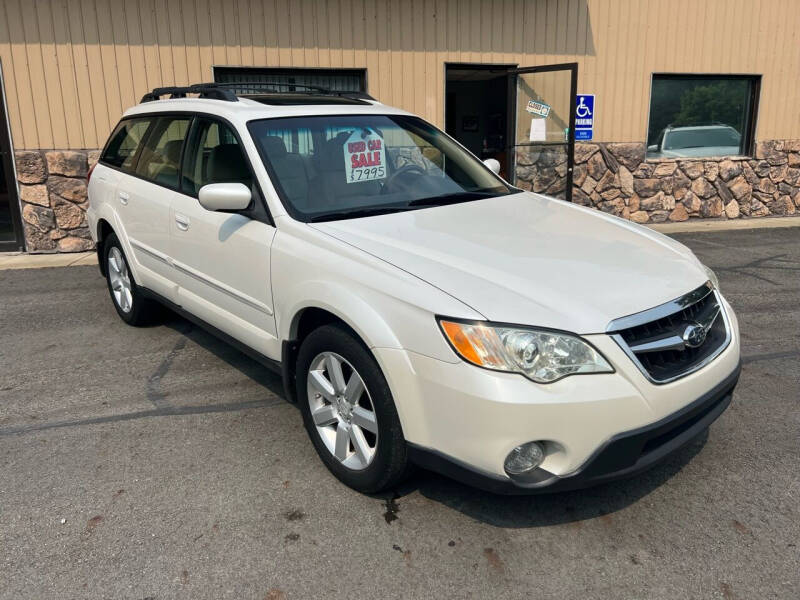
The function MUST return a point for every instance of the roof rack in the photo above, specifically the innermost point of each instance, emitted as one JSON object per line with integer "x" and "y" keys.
{"x": 203, "y": 90}
{"x": 219, "y": 91}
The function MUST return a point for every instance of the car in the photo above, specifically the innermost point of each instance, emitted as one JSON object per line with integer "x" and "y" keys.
{"x": 696, "y": 141}
{"x": 422, "y": 311}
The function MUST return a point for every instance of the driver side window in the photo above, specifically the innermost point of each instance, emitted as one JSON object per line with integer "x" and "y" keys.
{"x": 215, "y": 156}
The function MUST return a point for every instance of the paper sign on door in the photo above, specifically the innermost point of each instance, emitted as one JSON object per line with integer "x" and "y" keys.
{"x": 538, "y": 130}
{"x": 364, "y": 156}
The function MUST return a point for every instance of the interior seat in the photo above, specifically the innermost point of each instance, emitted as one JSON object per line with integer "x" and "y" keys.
{"x": 165, "y": 171}
{"x": 290, "y": 170}
{"x": 331, "y": 184}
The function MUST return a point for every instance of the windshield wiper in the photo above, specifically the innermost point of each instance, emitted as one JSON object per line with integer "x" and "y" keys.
{"x": 371, "y": 211}
{"x": 358, "y": 212}
{"x": 451, "y": 198}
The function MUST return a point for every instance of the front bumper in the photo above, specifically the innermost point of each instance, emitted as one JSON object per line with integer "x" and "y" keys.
{"x": 625, "y": 455}
{"x": 464, "y": 420}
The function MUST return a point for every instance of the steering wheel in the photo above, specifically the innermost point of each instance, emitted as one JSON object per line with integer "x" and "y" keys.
{"x": 401, "y": 171}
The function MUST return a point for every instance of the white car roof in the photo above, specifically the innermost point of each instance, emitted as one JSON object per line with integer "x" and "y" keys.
{"x": 247, "y": 109}
{"x": 698, "y": 127}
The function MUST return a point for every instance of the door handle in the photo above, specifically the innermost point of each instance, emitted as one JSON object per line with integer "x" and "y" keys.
{"x": 124, "y": 197}
{"x": 182, "y": 222}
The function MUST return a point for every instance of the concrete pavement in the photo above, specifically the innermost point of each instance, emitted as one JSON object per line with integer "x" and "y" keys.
{"x": 160, "y": 463}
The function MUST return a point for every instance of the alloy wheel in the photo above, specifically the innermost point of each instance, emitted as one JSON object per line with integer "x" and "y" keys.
{"x": 342, "y": 410}
{"x": 120, "y": 280}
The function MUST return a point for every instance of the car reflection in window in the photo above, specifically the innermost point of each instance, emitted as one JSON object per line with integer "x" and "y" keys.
{"x": 696, "y": 141}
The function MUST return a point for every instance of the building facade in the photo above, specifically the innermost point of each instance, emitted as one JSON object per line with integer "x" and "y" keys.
{"x": 691, "y": 106}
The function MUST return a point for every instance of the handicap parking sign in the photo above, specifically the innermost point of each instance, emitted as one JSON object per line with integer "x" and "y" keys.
{"x": 584, "y": 116}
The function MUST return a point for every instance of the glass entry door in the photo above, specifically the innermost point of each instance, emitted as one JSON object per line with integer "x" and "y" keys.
{"x": 542, "y": 128}
{"x": 10, "y": 222}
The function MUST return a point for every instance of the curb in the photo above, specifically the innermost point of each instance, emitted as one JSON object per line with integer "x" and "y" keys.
{"x": 726, "y": 225}
{"x": 41, "y": 261}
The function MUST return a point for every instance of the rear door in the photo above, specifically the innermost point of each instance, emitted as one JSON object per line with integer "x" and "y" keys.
{"x": 144, "y": 195}
{"x": 222, "y": 259}
{"x": 118, "y": 158}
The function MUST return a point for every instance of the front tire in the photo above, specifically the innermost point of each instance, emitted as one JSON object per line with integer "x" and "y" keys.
{"x": 130, "y": 303}
{"x": 349, "y": 412}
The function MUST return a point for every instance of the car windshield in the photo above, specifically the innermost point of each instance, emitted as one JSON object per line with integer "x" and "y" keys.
{"x": 699, "y": 138}
{"x": 337, "y": 167}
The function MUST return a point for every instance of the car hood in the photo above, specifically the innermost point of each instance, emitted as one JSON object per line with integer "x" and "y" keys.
{"x": 528, "y": 259}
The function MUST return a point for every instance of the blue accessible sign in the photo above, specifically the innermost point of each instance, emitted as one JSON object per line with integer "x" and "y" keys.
{"x": 584, "y": 116}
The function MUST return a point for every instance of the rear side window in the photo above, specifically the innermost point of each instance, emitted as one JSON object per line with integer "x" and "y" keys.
{"x": 214, "y": 156}
{"x": 160, "y": 159}
{"x": 124, "y": 143}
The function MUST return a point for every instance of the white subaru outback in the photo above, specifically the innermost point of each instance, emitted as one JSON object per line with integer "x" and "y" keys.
{"x": 420, "y": 309}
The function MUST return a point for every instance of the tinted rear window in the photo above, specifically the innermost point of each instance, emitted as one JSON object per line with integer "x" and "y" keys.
{"x": 124, "y": 143}
{"x": 160, "y": 159}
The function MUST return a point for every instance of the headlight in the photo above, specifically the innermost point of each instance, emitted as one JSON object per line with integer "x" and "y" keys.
{"x": 712, "y": 277}
{"x": 542, "y": 356}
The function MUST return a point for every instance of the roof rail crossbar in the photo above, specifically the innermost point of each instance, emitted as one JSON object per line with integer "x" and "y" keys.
{"x": 219, "y": 91}
{"x": 203, "y": 90}
{"x": 355, "y": 94}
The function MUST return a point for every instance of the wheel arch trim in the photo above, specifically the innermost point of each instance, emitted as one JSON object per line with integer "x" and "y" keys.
{"x": 343, "y": 304}
{"x": 106, "y": 214}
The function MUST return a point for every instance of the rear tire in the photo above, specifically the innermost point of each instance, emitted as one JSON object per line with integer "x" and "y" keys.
{"x": 130, "y": 303}
{"x": 349, "y": 412}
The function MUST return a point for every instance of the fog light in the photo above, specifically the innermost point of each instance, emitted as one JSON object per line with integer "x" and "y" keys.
{"x": 524, "y": 458}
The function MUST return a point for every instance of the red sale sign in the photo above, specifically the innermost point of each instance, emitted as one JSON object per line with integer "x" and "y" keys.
{"x": 364, "y": 156}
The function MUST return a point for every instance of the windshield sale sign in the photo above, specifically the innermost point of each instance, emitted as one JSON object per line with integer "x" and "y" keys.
{"x": 364, "y": 156}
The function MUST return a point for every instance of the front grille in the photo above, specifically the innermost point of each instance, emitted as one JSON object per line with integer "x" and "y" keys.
{"x": 658, "y": 342}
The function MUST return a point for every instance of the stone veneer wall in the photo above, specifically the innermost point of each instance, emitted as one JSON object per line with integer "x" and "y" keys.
{"x": 612, "y": 177}
{"x": 616, "y": 178}
{"x": 52, "y": 192}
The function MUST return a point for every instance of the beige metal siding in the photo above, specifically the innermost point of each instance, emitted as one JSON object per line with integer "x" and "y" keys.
{"x": 72, "y": 66}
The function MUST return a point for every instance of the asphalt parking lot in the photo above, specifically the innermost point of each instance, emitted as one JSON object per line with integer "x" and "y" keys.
{"x": 161, "y": 463}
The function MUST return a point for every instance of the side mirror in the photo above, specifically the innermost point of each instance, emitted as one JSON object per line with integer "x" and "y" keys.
{"x": 225, "y": 196}
{"x": 493, "y": 164}
{"x": 652, "y": 148}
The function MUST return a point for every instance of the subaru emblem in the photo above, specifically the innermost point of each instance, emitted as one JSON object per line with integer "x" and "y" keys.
{"x": 694, "y": 335}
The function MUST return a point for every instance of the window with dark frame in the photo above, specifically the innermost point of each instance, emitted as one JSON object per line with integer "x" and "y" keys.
{"x": 213, "y": 156}
{"x": 340, "y": 80}
{"x": 698, "y": 116}
{"x": 124, "y": 143}
{"x": 160, "y": 159}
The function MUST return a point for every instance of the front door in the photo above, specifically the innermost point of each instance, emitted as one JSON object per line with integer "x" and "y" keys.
{"x": 222, "y": 259}
{"x": 10, "y": 222}
{"x": 542, "y": 128}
